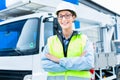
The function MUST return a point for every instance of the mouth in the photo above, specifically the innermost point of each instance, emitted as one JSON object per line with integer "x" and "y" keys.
{"x": 65, "y": 23}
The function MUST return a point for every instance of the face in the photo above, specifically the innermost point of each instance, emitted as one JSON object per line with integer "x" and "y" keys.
{"x": 65, "y": 19}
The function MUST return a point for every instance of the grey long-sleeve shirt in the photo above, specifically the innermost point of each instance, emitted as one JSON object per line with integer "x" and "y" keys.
{"x": 85, "y": 62}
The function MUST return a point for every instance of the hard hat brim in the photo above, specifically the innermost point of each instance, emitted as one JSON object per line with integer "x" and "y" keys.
{"x": 73, "y": 13}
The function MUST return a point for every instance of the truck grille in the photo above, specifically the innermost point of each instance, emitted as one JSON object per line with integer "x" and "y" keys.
{"x": 13, "y": 75}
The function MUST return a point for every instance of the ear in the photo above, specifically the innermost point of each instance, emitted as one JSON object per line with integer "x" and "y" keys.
{"x": 74, "y": 18}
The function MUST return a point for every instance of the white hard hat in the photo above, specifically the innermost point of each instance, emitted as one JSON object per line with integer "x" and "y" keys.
{"x": 66, "y": 6}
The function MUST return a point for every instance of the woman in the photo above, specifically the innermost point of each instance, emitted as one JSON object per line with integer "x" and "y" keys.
{"x": 69, "y": 55}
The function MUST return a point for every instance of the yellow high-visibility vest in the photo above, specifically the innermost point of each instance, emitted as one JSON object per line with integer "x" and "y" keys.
{"x": 75, "y": 49}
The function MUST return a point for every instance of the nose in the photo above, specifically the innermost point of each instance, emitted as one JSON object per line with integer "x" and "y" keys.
{"x": 64, "y": 18}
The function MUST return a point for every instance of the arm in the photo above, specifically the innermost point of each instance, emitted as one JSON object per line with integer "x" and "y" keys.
{"x": 48, "y": 65}
{"x": 84, "y": 62}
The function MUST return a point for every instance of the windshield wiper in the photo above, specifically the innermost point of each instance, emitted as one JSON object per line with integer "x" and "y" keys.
{"x": 11, "y": 52}
{"x": 18, "y": 51}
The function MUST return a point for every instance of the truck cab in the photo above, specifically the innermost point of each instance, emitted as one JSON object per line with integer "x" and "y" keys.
{"x": 22, "y": 40}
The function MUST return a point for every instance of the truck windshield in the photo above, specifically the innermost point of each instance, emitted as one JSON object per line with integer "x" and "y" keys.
{"x": 19, "y": 37}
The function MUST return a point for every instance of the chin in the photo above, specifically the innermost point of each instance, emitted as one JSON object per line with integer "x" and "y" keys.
{"x": 65, "y": 26}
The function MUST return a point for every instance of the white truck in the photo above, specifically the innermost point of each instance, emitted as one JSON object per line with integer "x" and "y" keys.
{"x": 23, "y": 38}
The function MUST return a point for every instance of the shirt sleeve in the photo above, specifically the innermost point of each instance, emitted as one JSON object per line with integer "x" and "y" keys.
{"x": 49, "y": 65}
{"x": 85, "y": 62}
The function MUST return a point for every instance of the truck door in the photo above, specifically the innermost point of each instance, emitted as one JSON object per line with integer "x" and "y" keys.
{"x": 18, "y": 44}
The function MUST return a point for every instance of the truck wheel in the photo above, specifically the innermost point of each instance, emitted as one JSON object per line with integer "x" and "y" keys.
{"x": 118, "y": 74}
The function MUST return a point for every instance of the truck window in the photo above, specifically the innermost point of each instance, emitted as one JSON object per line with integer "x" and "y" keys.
{"x": 19, "y": 38}
{"x": 48, "y": 31}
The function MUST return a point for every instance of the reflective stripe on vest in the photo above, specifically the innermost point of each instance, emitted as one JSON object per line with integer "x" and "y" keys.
{"x": 76, "y": 46}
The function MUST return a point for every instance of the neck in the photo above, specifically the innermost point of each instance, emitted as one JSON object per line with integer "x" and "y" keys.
{"x": 67, "y": 33}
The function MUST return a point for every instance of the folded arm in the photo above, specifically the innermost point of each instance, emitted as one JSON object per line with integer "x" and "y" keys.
{"x": 49, "y": 65}
{"x": 84, "y": 62}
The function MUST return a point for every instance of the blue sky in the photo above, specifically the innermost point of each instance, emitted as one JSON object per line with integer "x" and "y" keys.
{"x": 113, "y": 5}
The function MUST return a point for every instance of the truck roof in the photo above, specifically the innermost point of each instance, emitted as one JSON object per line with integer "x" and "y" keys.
{"x": 25, "y": 7}
{"x": 34, "y": 15}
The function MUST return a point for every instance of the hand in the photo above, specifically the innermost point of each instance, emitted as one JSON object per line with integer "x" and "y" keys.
{"x": 52, "y": 58}
{"x": 83, "y": 53}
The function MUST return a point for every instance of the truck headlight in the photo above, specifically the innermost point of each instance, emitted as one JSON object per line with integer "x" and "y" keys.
{"x": 28, "y": 77}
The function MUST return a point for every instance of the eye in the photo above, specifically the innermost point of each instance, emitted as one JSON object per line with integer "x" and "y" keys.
{"x": 60, "y": 16}
{"x": 67, "y": 16}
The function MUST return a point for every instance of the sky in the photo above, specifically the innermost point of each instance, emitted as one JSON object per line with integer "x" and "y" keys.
{"x": 113, "y": 5}
{"x": 10, "y": 2}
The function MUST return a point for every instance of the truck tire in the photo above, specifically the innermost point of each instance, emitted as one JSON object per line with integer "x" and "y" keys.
{"x": 118, "y": 74}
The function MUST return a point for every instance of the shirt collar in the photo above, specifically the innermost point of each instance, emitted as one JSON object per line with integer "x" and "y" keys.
{"x": 74, "y": 33}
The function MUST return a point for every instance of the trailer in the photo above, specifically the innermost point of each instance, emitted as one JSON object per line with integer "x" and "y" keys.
{"x": 27, "y": 25}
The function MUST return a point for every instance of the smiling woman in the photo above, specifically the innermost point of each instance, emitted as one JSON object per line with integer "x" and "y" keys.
{"x": 69, "y": 54}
